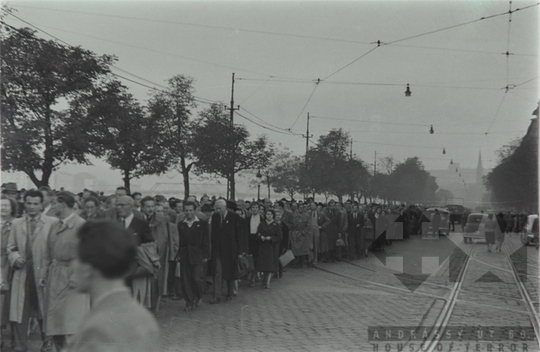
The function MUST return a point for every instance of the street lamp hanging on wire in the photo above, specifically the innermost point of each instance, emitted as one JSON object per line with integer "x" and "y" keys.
{"x": 443, "y": 150}
{"x": 431, "y": 130}
{"x": 408, "y": 91}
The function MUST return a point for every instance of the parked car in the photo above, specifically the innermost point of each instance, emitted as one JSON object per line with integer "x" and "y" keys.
{"x": 473, "y": 230}
{"x": 444, "y": 228}
{"x": 530, "y": 232}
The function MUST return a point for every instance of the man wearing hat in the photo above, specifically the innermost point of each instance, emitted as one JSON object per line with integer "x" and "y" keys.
{"x": 65, "y": 307}
{"x": 10, "y": 190}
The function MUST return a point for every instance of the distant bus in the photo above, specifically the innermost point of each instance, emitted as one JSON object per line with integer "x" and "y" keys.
{"x": 456, "y": 212}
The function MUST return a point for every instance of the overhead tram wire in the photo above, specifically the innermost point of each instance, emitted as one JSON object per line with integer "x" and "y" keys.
{"x": 307, "y": 102}
{"x": 379, "y": 43}
{"x": 263, "y": 32}
{"x": 496, "y": 113}
{"x": 289, "y": 133}
{"x": 203, "y": 25}
{"x": 197, "y": 99}
{"x": 364, "y": 121}
{"x": 268, "y": 123}
{"x": 457, "y": 25}
{"x": 159, "y": 52}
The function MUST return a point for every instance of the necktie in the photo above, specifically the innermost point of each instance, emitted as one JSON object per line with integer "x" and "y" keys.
{"x": 32, "y": 227}
{"x": 123, "y": 222}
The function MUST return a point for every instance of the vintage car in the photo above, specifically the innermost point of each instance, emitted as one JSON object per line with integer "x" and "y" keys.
{"x": 444, "y": 228}
{"x": 473, "y": 230}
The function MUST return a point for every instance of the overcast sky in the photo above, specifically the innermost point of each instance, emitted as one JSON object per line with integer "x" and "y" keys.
{"x": 278, "y": 51}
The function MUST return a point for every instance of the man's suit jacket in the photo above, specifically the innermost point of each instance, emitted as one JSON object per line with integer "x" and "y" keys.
{"x": 141, "y": 230}
{"x": 117, "y": 323}
{"x": 355, "y": 225}
{"x": 194, "y": 242}
{"x": 227, "y": 242}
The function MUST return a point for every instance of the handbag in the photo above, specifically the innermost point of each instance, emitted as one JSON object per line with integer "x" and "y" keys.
{"x": 177, "y": 270}
{"x": 250, "y": 262}
{"x": 286, "y": 258}
{"x": 340, "y": 242}
{"x": 242, "y": 265}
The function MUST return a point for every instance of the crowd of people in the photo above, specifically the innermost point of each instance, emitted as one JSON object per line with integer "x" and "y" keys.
{"x": 175, "y": 249}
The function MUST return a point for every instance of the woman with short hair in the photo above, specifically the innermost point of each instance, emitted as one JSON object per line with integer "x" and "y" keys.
{"x": 269, "y": 235}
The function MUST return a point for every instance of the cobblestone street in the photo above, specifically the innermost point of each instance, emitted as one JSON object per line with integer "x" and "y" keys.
{"x": 332, "y": 306}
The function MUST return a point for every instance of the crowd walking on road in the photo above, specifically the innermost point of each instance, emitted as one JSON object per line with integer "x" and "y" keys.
{"x": 69, "y": 262}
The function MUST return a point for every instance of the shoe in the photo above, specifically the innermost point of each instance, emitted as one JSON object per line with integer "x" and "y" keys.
{"x": 47, "y": 346}
{"x": 252, "y": 284}
{"x": 228, "y": 298}
{"x": 176, "y": 298}
{"x": 198, "y": 302}
{"x": 280, "y": 275}
{"x": 188, "y": 308}
{"x": 489, "y": 250}
{"x": 267, "y": 286}
{"x": 216, "y": 300}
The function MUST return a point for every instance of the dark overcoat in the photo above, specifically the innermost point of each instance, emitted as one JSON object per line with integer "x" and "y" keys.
{"x": 227, "y": 242}
{"x": 266, "y": 260}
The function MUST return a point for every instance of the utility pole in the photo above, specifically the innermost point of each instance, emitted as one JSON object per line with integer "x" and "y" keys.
{"x": 307, "y": 136}
{"x": 351, "y": 149}
{"x": 230, "y": 180}
{"x": 375, "y": 165}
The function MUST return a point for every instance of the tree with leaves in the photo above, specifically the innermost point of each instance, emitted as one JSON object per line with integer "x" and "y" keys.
{"x": 171, "y": 110}
{"x": 411, "y": 183}
{"x": 331, "y": 168}
{"x": 514, "y": 181}
{"x": 285, "y": 170}
{"x": 127, "y": 135}
{"x": 216, "y": 143}
{"x": 38, "y": 76}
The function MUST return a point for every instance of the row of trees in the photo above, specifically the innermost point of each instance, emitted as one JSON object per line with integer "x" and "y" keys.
{"x": 514, "y": 181}
{"x": 331, "y": 170}
{"x": 63, "y": 104}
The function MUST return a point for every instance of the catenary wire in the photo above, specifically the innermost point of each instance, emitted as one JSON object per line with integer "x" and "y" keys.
{"x": 307, "y": 102}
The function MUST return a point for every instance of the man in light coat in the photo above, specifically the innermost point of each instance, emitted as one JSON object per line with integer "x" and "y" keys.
{"x": 159, "y": 226}
{"x": 65, "y": 307}
{"x": 26, "y": 247}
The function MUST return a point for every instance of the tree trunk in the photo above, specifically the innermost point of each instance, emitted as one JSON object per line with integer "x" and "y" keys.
{"x": 185, "y": 176}
{"x": 268, "y": 184}
{"x": 340, "y": 198}
{"x": 127, "y": 178}
{"x": 38, "y": 183}
{"x": 233, "y": 186}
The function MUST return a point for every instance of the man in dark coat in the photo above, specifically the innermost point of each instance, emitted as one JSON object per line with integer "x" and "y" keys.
{"x": 227, "y": 246}
{"x": 139, "y": 279}
{"x": 194, "y": 251}
{"x": 356, "y": 242}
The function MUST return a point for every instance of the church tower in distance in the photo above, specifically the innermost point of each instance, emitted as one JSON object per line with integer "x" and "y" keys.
{"x": 479, "y": 170}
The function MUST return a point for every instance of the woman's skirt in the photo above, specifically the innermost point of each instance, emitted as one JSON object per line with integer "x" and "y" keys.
{"x": 490, "y": 237}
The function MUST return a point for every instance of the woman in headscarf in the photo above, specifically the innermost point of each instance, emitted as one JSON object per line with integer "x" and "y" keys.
{"x": 269, "y": 235}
